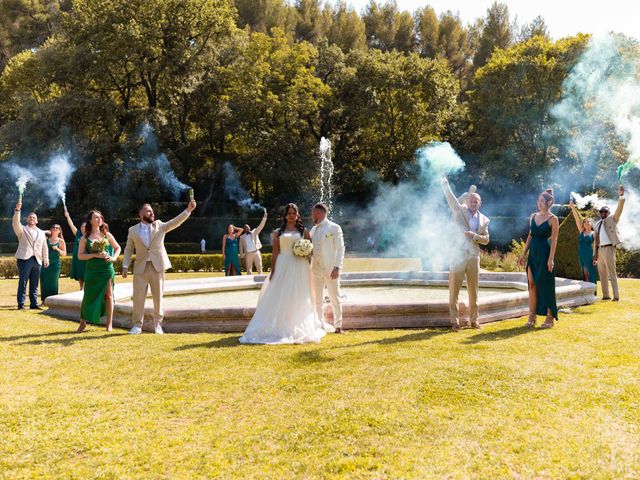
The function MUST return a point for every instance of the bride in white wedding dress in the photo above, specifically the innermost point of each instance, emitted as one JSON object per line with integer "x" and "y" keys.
{"x": 286, "y": 312}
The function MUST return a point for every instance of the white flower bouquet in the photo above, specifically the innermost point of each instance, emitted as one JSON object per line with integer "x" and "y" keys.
{"x": 303, "y": 248}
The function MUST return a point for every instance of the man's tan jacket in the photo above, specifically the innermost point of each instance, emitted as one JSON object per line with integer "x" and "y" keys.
{"x": 155, "y": 252}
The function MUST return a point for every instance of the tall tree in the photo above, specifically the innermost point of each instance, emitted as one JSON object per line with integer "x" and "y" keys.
{"x": 496, "y": 33}
{"x": 388, "y": 28}
{"x": 347, "y": 29}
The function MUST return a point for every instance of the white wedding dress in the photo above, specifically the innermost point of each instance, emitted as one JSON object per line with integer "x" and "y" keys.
{"x": 285, "y": 312}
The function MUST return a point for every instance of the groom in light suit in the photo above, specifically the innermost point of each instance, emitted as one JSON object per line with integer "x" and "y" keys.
{"x": 326, "y": 264}
{"x": 474, "y": 231}
{"x": 146, "y": 239}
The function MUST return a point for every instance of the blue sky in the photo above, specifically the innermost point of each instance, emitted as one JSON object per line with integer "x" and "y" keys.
{"x": 562, "y": 17}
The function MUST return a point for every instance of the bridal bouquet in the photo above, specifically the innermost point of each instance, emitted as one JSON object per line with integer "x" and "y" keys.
{"x": 303, "y": 248}
{"x": 99, "y": 246}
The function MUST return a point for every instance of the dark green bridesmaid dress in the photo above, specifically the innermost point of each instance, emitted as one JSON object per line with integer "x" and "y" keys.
{"x": 97, "y": 276}
{"x": 50, "y": 275}
{"x": 545, "y": 281}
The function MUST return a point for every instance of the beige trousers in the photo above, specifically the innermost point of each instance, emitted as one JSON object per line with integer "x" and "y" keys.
{"x": 320, "y": 278}
{"x": 607, "y": 270}
{"x": 141, "y": 283}
{"x": 254, "y": 259}
{"x": 471, "y": 269}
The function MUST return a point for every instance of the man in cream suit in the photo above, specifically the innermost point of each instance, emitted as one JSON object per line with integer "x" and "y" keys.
{"x": 250, "y": 246}
{"x": 146, "y": 240}
{"x": 607, "y": 240}
{"x": 474, "y": 231}
{"x": 32, "y": 253}
{"x": 326, "y": 264}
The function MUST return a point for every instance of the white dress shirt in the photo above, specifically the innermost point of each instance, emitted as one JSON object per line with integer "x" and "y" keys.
{"x": 604, "y": 238}
{"x": 145, "y": 234}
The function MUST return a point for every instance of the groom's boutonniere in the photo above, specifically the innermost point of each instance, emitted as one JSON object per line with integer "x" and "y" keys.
{"x": 328, "y": 235}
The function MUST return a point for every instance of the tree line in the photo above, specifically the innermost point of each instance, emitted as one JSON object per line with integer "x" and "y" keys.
{"x": 258, "y": 83}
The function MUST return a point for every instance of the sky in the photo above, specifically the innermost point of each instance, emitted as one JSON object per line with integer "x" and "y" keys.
{"x": 562, "y": 17}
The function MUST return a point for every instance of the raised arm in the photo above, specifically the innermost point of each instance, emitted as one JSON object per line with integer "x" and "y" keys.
{"x": 15, "y": 222}
{"x": 73, "y": 228}
{"x": 263, "y": 222}
{"x": 179, "y": 220}
{"x": 616, "y": 216}
{"x": 576, "y": 216}
{"x": 454, "y": 205}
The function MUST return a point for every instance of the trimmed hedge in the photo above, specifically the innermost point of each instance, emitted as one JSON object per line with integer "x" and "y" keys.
{"x": 180, "y": 263}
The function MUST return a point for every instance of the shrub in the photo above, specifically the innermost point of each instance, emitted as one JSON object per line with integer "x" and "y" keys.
{"x": 507, "y": 262}
{"x": 628, "y": 263}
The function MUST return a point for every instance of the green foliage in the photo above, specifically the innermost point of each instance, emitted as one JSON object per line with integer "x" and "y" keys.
{"x": 509, "y": 109}
{"x": 567, "y": 264}
{"x": 179, "y": 263}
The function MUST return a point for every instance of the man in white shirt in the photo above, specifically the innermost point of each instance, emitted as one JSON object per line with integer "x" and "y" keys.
{"x": 32, "y": 253}
{"x": 250, "y": 246}
{"x": 607, "y": 240}
{"x": 326, "y": 264}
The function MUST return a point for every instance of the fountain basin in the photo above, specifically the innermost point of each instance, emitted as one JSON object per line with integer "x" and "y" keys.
{"x": 372, "y": 300}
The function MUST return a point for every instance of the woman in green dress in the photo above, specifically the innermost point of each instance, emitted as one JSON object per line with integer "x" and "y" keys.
{"x": 230, "y": 250}
{"x": 50, "y": 275}
{"x": 586, "y": 241}
{"x": 77, "y": 266}
{"x": 100, "y": 250}
{"x": 541, "y": 246}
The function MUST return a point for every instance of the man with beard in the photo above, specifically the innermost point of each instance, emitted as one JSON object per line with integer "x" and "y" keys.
{"x": 146, "y": 240}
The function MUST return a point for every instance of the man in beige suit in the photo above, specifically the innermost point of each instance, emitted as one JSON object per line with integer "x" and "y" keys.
{"x": 607, "y": 240}
{"x": 32, "y": 253}
{"x": 146, "y": 240}
{"x": 250, "y": 246}
{"x": 475, "y": 228}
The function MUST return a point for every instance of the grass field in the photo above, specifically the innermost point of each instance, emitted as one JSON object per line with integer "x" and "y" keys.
{"x": 502, "y": 402}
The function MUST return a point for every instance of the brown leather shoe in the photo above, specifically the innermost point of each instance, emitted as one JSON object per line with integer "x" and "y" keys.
{"x": 455, "y": 327}
{"x": 475, "y": 325}
{"x": 339, "y": 330}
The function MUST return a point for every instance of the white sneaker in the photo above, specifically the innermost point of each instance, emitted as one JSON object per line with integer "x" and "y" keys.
{"x": 135, "y": 331}
{"x": 159, "y": 330}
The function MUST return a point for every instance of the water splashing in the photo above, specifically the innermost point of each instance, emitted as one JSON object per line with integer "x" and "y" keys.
{"x": 326, "y": 173}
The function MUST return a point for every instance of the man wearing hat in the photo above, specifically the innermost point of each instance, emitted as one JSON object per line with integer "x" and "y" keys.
{"x": 607, "y": 239}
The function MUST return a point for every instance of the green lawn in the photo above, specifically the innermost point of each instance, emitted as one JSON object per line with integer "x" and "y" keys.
{"x": 503, "y": 402}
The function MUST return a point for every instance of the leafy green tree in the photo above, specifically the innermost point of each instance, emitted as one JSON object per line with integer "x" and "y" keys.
{"x": 513, "y": 132}
{"x": 496, "y": 33}
{"x": 347, "y": 29}
{"x": 388, "y": 29}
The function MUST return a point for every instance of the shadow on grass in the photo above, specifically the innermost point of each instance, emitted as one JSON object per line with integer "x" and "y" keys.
{"x": 309, "y": 357}
{"x": 75, "y": 338}
{"x": 226, "y": 342}
{"x": 34, "y": 335}
{"x": 410, "y": 337}
{"x": 493, "y": 336}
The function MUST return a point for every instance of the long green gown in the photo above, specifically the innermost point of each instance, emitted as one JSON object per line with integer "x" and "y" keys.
{"x": 585, "y": 255}
{"x": 231, "y": 257}
{"x": 50, "y": 275}
{"x": 77, "y": 266}
{"x": 545, "y": 281}
{"x": 97, "y": 276}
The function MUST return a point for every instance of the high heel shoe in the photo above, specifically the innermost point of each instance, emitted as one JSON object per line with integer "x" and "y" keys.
{"x": 532, "y": 320}
{"x": 82, "y": 326}
{"x": 548, "y": 323}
